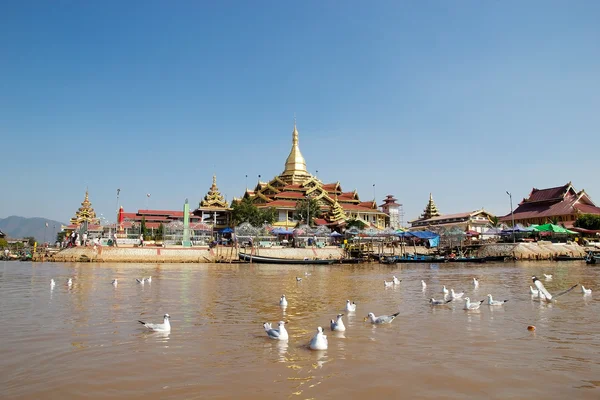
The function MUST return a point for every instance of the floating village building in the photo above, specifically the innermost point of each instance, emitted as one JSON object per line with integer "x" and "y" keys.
{"x": 295, "y": 183}
{"x": 561, "y": 204}
{"x": 471, "y": 221}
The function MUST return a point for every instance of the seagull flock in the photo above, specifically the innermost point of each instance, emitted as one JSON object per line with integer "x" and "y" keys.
{"x": 319, "y": 340}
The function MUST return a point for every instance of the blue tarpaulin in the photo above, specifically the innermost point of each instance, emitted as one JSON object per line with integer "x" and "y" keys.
{"x": 282, "y": 231}
{"x": 226, "y": 230}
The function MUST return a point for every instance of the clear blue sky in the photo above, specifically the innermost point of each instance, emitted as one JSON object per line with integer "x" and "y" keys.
{"x": 463, "y": 99}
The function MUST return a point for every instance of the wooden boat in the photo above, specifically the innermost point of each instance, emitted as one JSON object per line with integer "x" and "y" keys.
{"x": 496, "y": 258}
{"x": 412, "y": 259}
{"x": 276, "y": 260}
{"x": 568, "y": 258}
{"x": 468, "y": 259}
{"x": 592, "y": 258}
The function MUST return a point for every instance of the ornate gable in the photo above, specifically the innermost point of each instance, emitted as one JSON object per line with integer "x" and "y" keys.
{"x": 85, "y": 213}
{"x": 213, "y": 198}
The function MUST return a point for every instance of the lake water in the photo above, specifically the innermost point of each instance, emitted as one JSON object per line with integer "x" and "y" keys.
{"x": 85, "y": 341}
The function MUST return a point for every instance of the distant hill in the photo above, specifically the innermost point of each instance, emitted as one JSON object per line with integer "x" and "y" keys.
{"x": 20, "y": 227}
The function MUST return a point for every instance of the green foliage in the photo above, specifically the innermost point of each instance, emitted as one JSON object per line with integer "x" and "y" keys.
{"x": 3, "y": 243}
{"x": 351, "y": 223}
{"x": 494, "y": 222}
{"x": 307, "y": 208}
{"x": 143, "y": 229}
{"x": 160, "y": 232}
{"x": 588, "y": 221}
{"x": 554, "y": 220}
{"x": 245, "y": 211}
{"x": 60, "y": 236}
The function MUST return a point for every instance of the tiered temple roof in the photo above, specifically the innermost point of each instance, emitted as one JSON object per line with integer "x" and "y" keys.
{"x": 336, "y": 213}
{"x": 85, "y": 213}
{"x": 562, "y": 202}
{"x": 430, "y": 210}
{"x": 295, "y": 183}
{"x": 213, "y": 198}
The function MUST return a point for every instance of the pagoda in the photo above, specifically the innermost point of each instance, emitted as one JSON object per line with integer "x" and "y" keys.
{"x": 430, "y": 210}
{"x": 213, "y": 208}
{"x": 296, "y": 183}
{"x": 85, "y": 214}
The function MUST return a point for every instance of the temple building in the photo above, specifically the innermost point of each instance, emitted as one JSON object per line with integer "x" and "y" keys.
{"x": 392, "y": 209}
{"x": 213, "y": 208}
{"x": 85, "y": 218}
{"x": 474, "y": 221}
{"x": 296, "y": 183}
{"x": 562, "y": 205}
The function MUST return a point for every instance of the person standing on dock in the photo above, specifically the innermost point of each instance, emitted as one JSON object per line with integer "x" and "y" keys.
{"x": 115, "y": 240}
{"x": 142, "y": 240}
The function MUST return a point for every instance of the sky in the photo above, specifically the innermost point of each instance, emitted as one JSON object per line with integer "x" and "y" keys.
{"x": 462, "y": 99}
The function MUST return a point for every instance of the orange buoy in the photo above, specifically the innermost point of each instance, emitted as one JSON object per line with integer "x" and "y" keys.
{"x": 531, "y": 328}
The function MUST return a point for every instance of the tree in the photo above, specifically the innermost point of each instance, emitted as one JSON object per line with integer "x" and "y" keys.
{"x": 245, "y": 211}
{"x": 588, "y": 221}
{"x": 160, "y": 232}
{"x": 60, "y": 236}
{"x": 355, "y": 223}
{"x": 3, "y": 244}
{"x": 307, "y": 208}
{"x": 30, "y": 240}
{"x": 143, "y": 229}
{"x": 494, "y": 222}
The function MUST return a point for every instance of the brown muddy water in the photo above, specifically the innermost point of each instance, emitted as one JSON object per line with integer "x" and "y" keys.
{"x": 85, "y": 341}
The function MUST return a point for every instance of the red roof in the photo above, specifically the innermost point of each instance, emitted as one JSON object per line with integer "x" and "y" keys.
{"x": 289, "y": 195}
{"x": 279, "y": 203}
{"x": 330, "y": 186}
{"x": 161, "y": 212}
{"x": 569, "y": 205}
{"x": 555, "y": 193}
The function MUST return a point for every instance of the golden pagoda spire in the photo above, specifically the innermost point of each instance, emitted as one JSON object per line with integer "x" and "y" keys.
{"x": 213, "y": 198}
{"x": 295, "y": 165}
{"x": 430, "y": 210}
{"x": 85, "y": 213}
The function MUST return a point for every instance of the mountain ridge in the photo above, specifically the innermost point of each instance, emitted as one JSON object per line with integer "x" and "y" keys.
{"x": 16, "y": 227}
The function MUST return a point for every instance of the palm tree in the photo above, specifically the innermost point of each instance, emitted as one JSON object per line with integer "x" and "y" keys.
{"x": 494, "y": 222}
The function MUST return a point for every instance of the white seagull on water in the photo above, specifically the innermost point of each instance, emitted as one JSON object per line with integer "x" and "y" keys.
{"x": 544, "y": 294}
{"x": 164, "y": 327}
{"x": 319, "y": 341}
{"x": 298, "y": 279}
{"x": 350, "y": 306}
{"x": 548, "y": 277}
{"x": 475, "y": 282}
{"x": 276, "y": 333}
{"x": 444, "y": 290}
{"x": 533, "y": 291}
{"x": 472, "y": 306}
{"x": 283, "y": 301}
{"x": 140, "y": 281}
{"x": 52, "y": 283}
{"x": 423, "y": 284}
{"x": 337, "y": 324}
{"x": 148, "y": 279}
{"x": 383, "y": 319}
{"x": 456, "y": 295}
{"x": 388, "y": 284}
{"x": 115, "y": 283}
{"x": 395, "y": 280}
{"x": 70, "y": 282}
{"x": 493, "y": 302}
{"x": 585, "y": 291}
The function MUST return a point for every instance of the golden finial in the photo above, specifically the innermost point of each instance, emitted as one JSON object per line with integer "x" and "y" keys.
{"x": 214, "y": 180}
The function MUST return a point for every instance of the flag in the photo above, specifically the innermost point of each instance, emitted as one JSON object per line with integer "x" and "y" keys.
{"x": 147, "y": 194}
{"x": 46, "y": 224}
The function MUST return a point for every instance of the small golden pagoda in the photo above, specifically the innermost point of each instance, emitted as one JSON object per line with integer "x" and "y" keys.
{"x": 85, "y": 213}
{"x": 336, "y": 213}
{"x": 430, "y": 210}
{"x": 213, "y": 208}
{"x": 214, "y": 198}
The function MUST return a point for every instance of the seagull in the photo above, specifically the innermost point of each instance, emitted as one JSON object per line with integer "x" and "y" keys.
{"x": 388, "y": 284}
{"x": 283, "y": 301}
{"x": 395, "y": 280}
{"x": 472, "y": 306}
{"x": 350, "y": 307}
{"x": 548, "y": 277}
{"x": 475, "y": 282}
{"x": 298, "y": 279}
{"x": 423, "y": 284}
{"x": 307, "y": 274}
{"x": 585, "y": 291}
{"x": 533, "y": 291}
{"x": 338, "y": 324}
{"x": 444, "y": 290}
{"x": 319, "y": 341}
{"x": 52, "y": 283}
{"x": 148, "y": 279}
{"x": 493, "y": 302}
{"x": 277, "y": 333}
{"x": 70, "y": 282}
{"x": 164, "y": 327}
{"x": 435, "y": 302}
{"x": 456, "y": 295}
{"x": 140, "y": 281}
{"x": 115, "y": 283}
{"x": 384, "y": 319}
{"x": 542, "y": 290}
